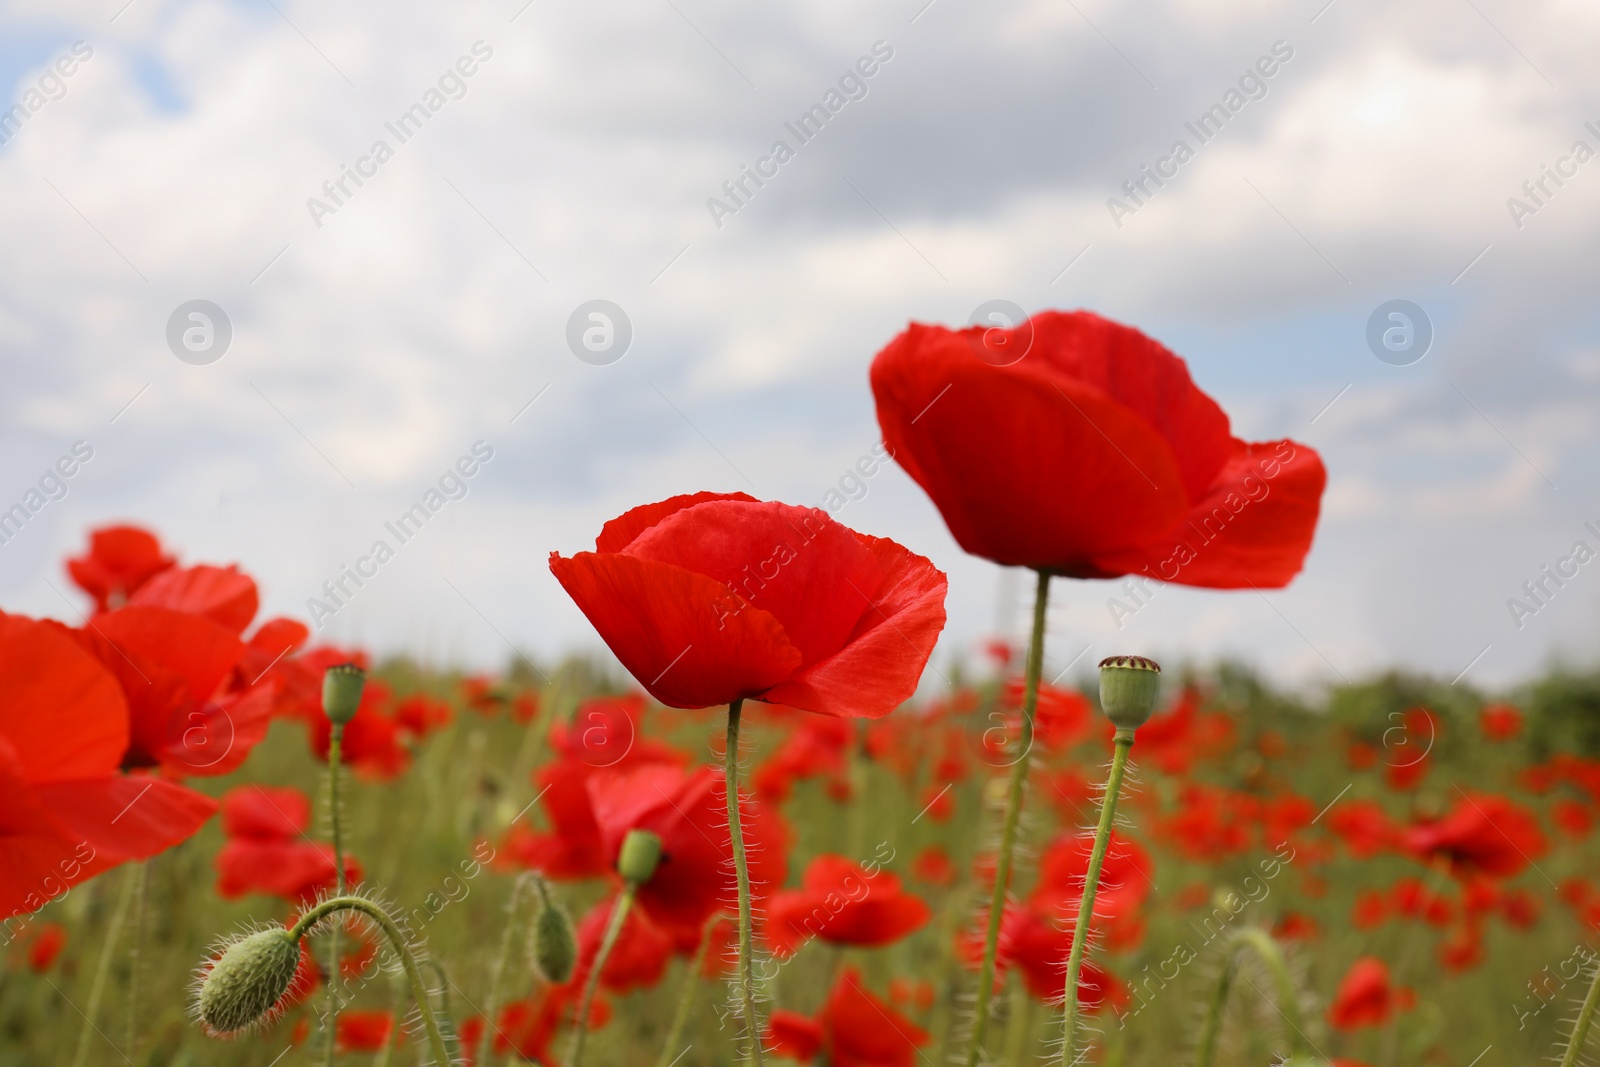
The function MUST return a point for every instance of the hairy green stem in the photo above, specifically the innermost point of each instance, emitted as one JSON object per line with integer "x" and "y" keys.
{"x": 141, "y": 876}
{"x": 747, "y": 992}
{"x": 102, "y": 971}
{"x": 691, "y": 982}
{"x": 397, "y": 941}
{"x": 1122, "y": 742}
{"x": 491, "y": 1007}
{"x": 619, "y": 915}
{"x": 1008, "y": 830}
{"x": 1020, "y": 1024}
{"x": 1580, "y": 1028}
{"x": 335, "y": 747}
{"x": 1267, "y": 950}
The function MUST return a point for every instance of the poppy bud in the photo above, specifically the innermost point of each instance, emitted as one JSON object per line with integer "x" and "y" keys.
{"x": 240, "y": 989}
{"x": 641, "y": 852}
{"x": 1128, "y": 689}
{"x": 341, "y": 692}
{"x": 555, "y": 949}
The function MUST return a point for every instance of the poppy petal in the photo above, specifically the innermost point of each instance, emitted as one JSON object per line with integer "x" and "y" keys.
{"x": 643, "y": 609}
{"x": 222, "y": 594}
{"x": 620, "y": 532}
{"x": 878, "y": 669}
{"x": 51, "y": 682}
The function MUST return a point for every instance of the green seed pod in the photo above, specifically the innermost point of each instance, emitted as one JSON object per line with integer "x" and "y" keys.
{"x": 641, "y": 852}
{"x": 240, "y": 989}
{"x": 341, "y": 692}
{"x": 555, "y": 949}
{"x": 1129, "y": 686}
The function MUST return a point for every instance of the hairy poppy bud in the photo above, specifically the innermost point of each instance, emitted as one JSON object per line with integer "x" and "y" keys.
{"x": 1128, "y": 689}
{"x": 555, "y": 949}
{"x": 240, "y": 989}
{"x": 641, "y": 852}
{"x": 341, "y": 692}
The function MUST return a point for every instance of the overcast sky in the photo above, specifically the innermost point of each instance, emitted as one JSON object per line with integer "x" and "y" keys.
{"x": 379, "y": 333}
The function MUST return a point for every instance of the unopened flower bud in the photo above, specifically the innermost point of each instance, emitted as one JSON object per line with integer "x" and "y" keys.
{"x": 641, "y": 852}
{"x": 341, "y": 692}
{"x": 240, "y": 989}
{"x": 1128, "y": 689}
{"x": 555, "y": 949}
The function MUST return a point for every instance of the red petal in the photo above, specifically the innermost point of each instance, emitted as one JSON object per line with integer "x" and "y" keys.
{"x": 1028, "y": 466}
{"x": 221, "y": 594}
{"x": 265, "y": 813}
{"x": 619, "y": 533}
{"x": 64, "y": 715}
{"x": 687, "y": 638}
{"x": 127, "y": 817}
{"x": 198, "y": 649}
{"x": 878, "y": 669}
{"x": 1252, "y": 528}
{"x": 813, "y": 575}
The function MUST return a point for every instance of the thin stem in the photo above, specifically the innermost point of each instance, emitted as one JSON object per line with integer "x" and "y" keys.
{"x": 335, "y": 746}
{"x": 419, "y": 991}
{"x": 747, "y": 994}
{"x": 1020, "y": 1024}
{"x": 491, "y": 1007}
{"x": 102, "y": 971}
{"x": 1268, "y": 951}
{"x": 1123, "y": 741}
{"x": 1008, "y": 831}
{"x": 141, "y": 875}
{"x": 619, "y": 915}
{"x": 691, "y": 983}
{"x": 1580, "y": 1029}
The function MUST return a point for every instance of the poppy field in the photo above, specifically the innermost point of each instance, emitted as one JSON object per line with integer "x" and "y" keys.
{"x": 757, "y": 832}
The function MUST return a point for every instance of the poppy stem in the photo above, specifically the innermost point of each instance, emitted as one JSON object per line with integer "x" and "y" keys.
{"x": 1008, "y": 831}
{"x": 102, "y": 971}
{"x": 1019, "y": 1025}
{"x": 419, "y": 991}
{"x": 1270, "y": 954}
{"x": 747, "y": 994}
{"x": 141, "y": 876}
{"x": 491, "y": 1007}
{"x": 691, "y": 983}
{"x": 335, "y": 746}
{"x": 1122, "y": 743}
{"x": 1580, "y": 1028}
{"x": 619, "y": 915}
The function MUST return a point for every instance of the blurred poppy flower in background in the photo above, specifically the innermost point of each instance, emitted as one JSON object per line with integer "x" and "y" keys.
{"x": 66, "y": 815}
{"x": 839, "y": 902}
{"x": 267, "y": 850}
{"x": 711, "y": 598}
{"x": 1365, "y": 997}
{"x": 1500, "y": 722}
{"x": 1079, "y": 446}
{"x": 120, "y": 559}
{"x": 854, "y": 1029}
{"x": 1484, "y": 833}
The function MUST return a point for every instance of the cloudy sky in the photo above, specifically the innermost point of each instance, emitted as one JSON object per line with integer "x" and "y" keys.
{"x": 379, "y": 331}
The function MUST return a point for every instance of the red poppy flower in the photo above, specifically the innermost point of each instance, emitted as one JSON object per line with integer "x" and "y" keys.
{"x": 177, "y": 674}
{"x": 120, "y": 559}
{"x": 363, "y": 1031}
{"x": 1125, "y": 884}
{"x": 1037, "y": 943}
{"x": 839, "y": 902}
{"x": 66, "y": 815}
{"x": 1483, "y": 834}
{"x": 46, "y": 946}
{"x": 528, "y": 1027}
{"x": 816, "y": 746}
{"x": 637, "y": 960}
{"x": 711, "y": 598}
{"x": 1500, "y": 722}
{"x": 372, "y": 744}
{"x": 1090, "y": 452}
{"x": 933, "y": 866}
{"x": 854, "y": 1029}
{"x": 1364, "y": 827}
{"x": 688, "y": 811}
{"x": 1297, "y": 926}
{"x": 267, "y": 850}
{"x": 1365, "y": 997}
{"x": 1371, "y": 910}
